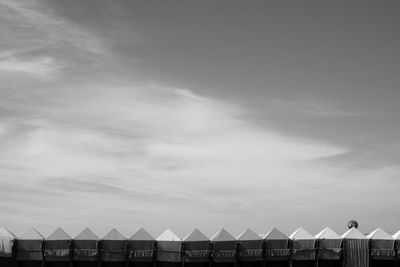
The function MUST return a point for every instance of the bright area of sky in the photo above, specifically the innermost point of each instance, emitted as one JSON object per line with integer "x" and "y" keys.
{"x": 202, "y": 114}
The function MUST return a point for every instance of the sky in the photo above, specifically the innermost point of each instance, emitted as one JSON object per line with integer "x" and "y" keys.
{"x": 199, "y": 114}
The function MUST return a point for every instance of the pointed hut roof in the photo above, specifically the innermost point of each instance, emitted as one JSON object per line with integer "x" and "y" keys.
{"x": 353, "y": 233}
{"x": 31, "y": 234}
{"x": 59, "y": 234}
{"x": 248, "y": 235}
{"x": 195, "y": 235}
{"x": 301, "y": 234}
{"x": 222, "y": 235}
{"x": 86, "y": 234}
{"x": 141, "y": 235}
{"x": 396, "y": 235}
{"x": 275, "y": 234}
{"x": 327, "y": 233}
{"x": 378, "y": 233}
{"x": 168, "y": 235}
{"x": 5, "y": 233}
{"x": 114, "y": 235}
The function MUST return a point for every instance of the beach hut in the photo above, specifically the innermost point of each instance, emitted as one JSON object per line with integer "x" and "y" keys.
{"x": 356, "y": 250}
{"x": 303, "y": 248}
{"x": 250, "y": 248}
{"x": 85, "y": 252}
{"x": 113, "y": 249}
{"x": 169, "y": 249}
{"x": 277, "y": 252}
{"x": 6, "y": 247}
{"x": 196, "y": 247}
{"x": 381, "y": 247}
{"x": 141, "y": 249}
{"x": 223, "y": 246}
{"x": 57, "y": 249}
{"x": 329, "y": 245}
{"x": 29, "y": 248}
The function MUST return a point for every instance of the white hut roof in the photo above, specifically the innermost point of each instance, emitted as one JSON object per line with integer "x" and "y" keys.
{"x": 275, "y": 234}
{"x": 168, "y": 235}
{"x": 142, "y": 235}
{"x": 327, "y": 233}
{"x": 222, "y": 235}
{"x": 301, "y": 234}
{"x": 114, "y": 235}
{"x": 353, "y": 233}
{"x": 59, "y": 234}
{"x": 248, "y": 235}
{"x": 378, "y": 233}
{"x": 196, "y": 235}
{"x": 5, "y": 233}
{"x": 396, "y": 235}
{"x": 86, "y": 234}
{"x": 32, "y": 234}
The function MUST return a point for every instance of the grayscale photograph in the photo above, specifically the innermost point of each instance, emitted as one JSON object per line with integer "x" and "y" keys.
{"x": 199, "y": 133}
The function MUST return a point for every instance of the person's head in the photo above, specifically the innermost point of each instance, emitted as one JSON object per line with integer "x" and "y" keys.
{"x": 352, "y": 223}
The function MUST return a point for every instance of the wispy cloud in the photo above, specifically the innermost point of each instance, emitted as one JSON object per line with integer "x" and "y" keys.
{"x": 41, "y": 26}
{"x": 313, "y": 107}
{"x": 41, "y": 67}
{"x": 171, "y": 143}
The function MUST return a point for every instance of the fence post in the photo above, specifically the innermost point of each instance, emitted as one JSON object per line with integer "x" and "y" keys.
{"x": 154, "y": 254}
{"x": 71, "y": 253}
{"x": 182, "y": 252}
{"x": 43, "y": 258}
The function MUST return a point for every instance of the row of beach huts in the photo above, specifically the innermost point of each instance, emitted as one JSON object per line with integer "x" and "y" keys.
{"x": 327, "y": 248}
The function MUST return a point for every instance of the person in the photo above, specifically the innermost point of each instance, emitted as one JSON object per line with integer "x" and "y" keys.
{"x": 352, "y": 223}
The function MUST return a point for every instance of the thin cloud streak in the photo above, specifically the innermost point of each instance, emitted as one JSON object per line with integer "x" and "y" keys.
{"x": 25, "y": 17}
{"x": 41, "y": 67}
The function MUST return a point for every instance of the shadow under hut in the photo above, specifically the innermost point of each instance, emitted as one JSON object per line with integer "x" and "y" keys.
{"x": 142, "y": 249}
{"x": 169, "y": 247}
{"x": 196, "y": 250}
{"x": 57, "y": 249}
{"x": 381, "y": 248}
{"x": 250, "y": 249}
{"x": 223, "y": 249}
{"x": 302, "y": 248}
{"x": 86, "y": 250}
{"x": 7, "y": 240}
{"x": 29, "y": 249}
{"x": 355, "y": 248}
{"x": 329, "y": 248}
{"x": 113, "y": 251}
{"x": 277, "y": 252}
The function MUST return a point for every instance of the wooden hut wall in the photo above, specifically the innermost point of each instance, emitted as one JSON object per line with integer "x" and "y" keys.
{"x": 250, "y": 250}
{"x": 169, "y": 251}
{"x": 224, "y": 251}
{"x": 357, "y": 252}
{"x": 6, "y": 247}
{"x": 329, "y": 249}
{"x": 57, "y": 250}
{"x": 29, "y": 250}
{"x": 381, "y": 249}
{"x": 196, "y": 251}
{"x": 86, "y": 250}
{"x": 277, "y": 249}
{"x": 141, "y": 250}
{"x": 303, "y": 249}
{"x": 113, "y": 250}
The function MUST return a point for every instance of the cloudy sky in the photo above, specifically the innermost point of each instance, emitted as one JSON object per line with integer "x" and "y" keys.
{"x": 207, "y": 114}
